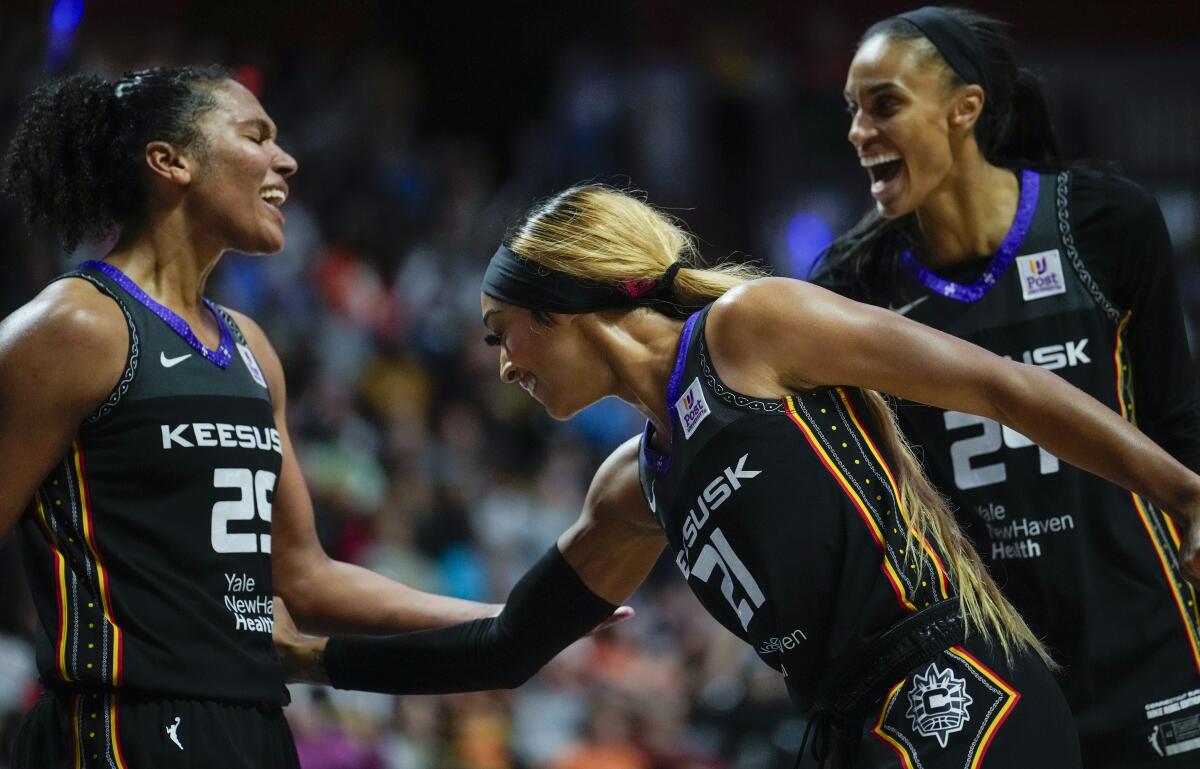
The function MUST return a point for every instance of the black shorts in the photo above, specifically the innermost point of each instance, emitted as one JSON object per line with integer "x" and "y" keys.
{"x": 967, "y": 708}
{"x": 133, "y": 731}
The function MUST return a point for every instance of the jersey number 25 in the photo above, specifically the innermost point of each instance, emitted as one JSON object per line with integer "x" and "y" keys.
{"x": 255, "y": 489}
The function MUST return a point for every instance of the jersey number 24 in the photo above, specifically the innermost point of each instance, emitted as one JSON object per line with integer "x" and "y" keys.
{"x": 971, "y": 475}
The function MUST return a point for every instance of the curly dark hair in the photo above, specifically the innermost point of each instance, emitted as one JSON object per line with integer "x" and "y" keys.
{"x": 75, "y": 161}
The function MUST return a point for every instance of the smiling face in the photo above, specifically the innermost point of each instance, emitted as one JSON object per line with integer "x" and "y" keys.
{"x": 240, "y": 182}
{"x": 553, "y": 363}
{"x": 906, "y": 116}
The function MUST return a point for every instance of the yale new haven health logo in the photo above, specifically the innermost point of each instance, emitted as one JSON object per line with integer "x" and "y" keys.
{"x": 692, "y": 408}
{"x": 1041, "y": 275}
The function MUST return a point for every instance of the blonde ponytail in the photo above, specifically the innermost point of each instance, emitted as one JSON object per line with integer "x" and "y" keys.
{"x": 986, "y": 610}
{"x": 606, "y": 235}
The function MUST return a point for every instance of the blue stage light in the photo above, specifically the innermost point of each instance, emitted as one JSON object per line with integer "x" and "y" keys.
{"x": 66, "y": 15}
{"x": 807, "y": 236}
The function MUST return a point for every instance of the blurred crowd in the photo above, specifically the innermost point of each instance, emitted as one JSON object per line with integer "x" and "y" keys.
{"x": 422, "y": 465}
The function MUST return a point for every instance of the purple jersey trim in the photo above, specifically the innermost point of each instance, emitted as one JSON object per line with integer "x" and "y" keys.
{"x": 973, "y": 292}
{"x": 219, "y": 357}
{"x": 656, "y": 460}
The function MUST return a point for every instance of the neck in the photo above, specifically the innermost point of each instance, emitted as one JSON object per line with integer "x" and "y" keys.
{"x": 969, "y": 214}
{"x": 640, "y": 348}
{"x": 167, "y": 261}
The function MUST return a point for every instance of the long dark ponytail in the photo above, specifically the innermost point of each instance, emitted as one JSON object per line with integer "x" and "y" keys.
{"x": 1014, "y": 129}
{"x": 75, "y": 161}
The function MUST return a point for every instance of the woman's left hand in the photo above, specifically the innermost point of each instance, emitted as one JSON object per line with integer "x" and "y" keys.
{"x": 303, "y": 657}
{"x": 1189, "y": 549}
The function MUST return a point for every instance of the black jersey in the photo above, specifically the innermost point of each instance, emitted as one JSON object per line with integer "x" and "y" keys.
{"x": 786, "y": 521}
{"x": 148, "y": 545}
{"x": 1092, "y": 567}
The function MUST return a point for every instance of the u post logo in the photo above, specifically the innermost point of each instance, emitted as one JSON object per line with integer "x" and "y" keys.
{"x": 691, "y": 408}
{"x": 1041, "y": 275}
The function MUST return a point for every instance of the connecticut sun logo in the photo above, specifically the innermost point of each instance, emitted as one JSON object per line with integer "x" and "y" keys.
{"x": 937, "y": 703}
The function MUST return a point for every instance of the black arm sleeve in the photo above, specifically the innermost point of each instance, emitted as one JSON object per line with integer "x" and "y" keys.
{"x": 1127, "y": 223}
{"x": 547, "y": 610}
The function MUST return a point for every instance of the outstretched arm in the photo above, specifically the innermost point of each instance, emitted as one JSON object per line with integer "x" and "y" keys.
{"x": 596, "y": 564}
{"x": 323, "y": 594}
{"x": 779, "y": 335}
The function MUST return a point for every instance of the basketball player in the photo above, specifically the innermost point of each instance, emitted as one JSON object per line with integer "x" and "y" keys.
{"x": 143, "y": 439}
{"x": 781, "y": 487}
{"x": 980, "y": 231}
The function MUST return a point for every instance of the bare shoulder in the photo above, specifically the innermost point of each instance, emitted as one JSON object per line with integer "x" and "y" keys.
{"x": 70, "y": 341}
{"x": 754, "y": 308}
{"x": 616, "y": 492}
{"x": 756, "y": 331}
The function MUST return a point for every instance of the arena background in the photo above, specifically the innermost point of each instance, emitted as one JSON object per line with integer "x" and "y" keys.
{"x": 422, "y": 130}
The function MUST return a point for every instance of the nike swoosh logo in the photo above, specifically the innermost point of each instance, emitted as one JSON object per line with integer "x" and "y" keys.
{"x": 653, "y": 501}
{"x": 904, "y": 309}
{"x": 169, "y": 362}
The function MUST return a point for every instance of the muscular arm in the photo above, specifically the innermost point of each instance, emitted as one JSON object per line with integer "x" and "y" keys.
{"x": 60, "y": 357}
{"x": 776, "y": 335}
{"x": 323, "y": 594}
{"x": 597, "y": 563}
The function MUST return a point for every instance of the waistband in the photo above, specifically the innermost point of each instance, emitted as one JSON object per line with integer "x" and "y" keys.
{"x": 860, "y": 677}
{"x": 64, "y": 690}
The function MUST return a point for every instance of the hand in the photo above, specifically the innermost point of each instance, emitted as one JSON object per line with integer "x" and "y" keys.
{"x": 620, "y": 615}
{"x": 303, "y": 657}
{"x": 1189, "y": 550}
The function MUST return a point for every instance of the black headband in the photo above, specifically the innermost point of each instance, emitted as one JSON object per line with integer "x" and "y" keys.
{"x": 954, "y": 41}
{"x": 516, "y": 280}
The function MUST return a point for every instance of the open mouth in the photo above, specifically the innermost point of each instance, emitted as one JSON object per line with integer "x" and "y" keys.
{"x": 882, "y": 169}
{"x": 273, "y": 196}
{"x": 885, "y": 172}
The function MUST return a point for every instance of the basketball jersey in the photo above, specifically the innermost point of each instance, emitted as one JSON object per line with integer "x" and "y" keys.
{"x": 1092, "y": 568}
{"x": 148, "y": 545}
{"x": 784, "y": 518}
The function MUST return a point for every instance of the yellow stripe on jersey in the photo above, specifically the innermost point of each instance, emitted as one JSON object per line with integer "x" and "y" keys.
{"x": 1184, "y": 594}
{"x": 118, "y": 752}
{"x": 85, "y": 503}
{"x": 77, "y": 742}
{"x": 859, "y": 504}
{"x": 877, "y": 730}
{"x": 1012, "y": 697}
{"x": 60, "y": 583}
{"x": 1180, "y": 592}
{"x": 937, "y": 562}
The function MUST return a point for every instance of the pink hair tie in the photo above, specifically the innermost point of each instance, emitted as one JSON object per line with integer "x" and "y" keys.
{"x": 635, "y": 289}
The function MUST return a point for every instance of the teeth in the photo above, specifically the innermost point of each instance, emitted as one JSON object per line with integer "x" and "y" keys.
{"x": 877, "y": 159}
{"x": 273, "y": 196}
